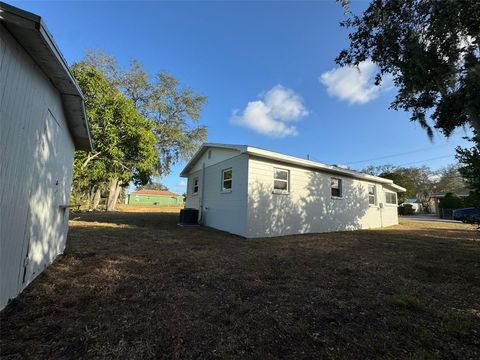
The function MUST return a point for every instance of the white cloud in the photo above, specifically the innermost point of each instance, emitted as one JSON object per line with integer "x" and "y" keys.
{"x": 181, "y": 184}
{"x": 354, "y": 84}
{"x": 272, "y": 114}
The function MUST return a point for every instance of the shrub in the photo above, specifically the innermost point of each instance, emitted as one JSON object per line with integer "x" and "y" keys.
{"x": 451, "y": 201}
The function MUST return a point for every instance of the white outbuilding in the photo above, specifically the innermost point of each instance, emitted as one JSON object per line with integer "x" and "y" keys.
{"x": 42, "y": 122}
{"x": 253, "y": 192}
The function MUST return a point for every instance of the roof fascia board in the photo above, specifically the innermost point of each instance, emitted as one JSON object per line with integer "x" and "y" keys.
{"x": 17, "y": 21}
{"x": 266, "y": 154}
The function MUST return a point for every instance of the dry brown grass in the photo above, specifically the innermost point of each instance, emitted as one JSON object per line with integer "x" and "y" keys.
{"x": 149, "y": 208}
{"x": 134, "y": 285}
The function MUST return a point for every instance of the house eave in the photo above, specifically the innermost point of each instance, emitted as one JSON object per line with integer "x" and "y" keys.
{"x": 287, "y": 159}
{"x": 31, "y": 33}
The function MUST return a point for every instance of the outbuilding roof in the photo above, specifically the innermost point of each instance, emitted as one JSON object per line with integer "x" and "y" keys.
{"x": 31, "y": 33}
{"x": 271, "y": 155}
{"x": 154, "y": 192}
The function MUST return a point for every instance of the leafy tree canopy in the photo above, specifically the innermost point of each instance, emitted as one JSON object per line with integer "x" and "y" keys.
{"x": 125, "y": 146}
{"x": 432, "y": 50}
{"x": 173, "y": 109}
{"x": 470, "y": 170}
{"x": 451, "y": 201}
{"x": 449, "y": 180}
{"x": 404, "y": 181}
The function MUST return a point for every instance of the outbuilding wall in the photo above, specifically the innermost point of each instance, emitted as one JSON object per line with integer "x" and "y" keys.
{"x": 36, "y": 158}
{"x": 141, "y": 199}
{"x": 309, "y": 207}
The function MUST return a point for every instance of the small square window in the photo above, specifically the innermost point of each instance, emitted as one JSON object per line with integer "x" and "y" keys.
{"x": 227, "y": 179}
{"x": 195, "y": 185}
{"x": 281, "y": 180}
{"x": 336, "y": 187}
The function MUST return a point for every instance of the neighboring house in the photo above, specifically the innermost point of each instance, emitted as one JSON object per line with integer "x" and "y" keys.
{"x": 435, "y": 198}
{"x": 258, "y": 193}
{"x": 42, "y": 122}
{"x": 154, "y": 197}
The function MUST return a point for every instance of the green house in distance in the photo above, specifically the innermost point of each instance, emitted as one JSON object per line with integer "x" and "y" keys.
{"x": 154, "y": 197}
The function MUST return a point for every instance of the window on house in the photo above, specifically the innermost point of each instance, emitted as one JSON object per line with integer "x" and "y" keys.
{"x": 372, "y": 195}
{"x": 391, "y": 198}
{"x": 195, "y": 185}
{"x": 227, "y": 179}
{"x": 281, "y": 180}
{"x": 209, "y": 154}
{"x": 336, "y": 187}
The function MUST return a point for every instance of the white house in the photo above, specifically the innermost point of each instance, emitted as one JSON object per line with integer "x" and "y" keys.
{"x": 42, "y": 122}
{"x": 259, "y": 193}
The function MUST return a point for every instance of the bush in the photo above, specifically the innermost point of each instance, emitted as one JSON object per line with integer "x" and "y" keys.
{"x": 451, "y": 201}
{"x": 406, "y": 209}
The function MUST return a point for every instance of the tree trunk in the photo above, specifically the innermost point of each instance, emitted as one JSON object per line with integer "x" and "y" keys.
{"x": 89, "y": 197}
{"x": 96, "y": 199}
{"x": 117, "y": 192}
{"x": 113, "y": 193}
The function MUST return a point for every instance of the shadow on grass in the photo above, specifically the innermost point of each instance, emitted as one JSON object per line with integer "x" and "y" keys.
{"x": 154, "y": 290}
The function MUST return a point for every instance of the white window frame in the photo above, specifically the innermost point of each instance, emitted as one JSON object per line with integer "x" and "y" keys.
{"x": 281, "y": 191}
{"x": 370, "y": 195}
{"x": 340, "y": 187}
{"x": 224, "y": 189}
{"x": 391, "y": 203}
{"x": 197, "y": 180}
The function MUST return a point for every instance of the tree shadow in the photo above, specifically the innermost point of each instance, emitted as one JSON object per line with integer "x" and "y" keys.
{"x": 310, "y": 209}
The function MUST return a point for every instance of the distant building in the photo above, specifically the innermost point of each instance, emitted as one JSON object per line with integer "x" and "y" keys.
{"x": 435, "y": 198}
{"x": 154, "y": 197}
{"x": 42, "y": 123}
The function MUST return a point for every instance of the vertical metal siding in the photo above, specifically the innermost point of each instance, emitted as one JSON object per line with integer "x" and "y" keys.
{"x": 36, "y": 151}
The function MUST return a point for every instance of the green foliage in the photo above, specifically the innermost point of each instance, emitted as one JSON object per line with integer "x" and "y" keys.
{"x": 470, "y": 170}
{"x": 406, "y": 209}
{"x": 174, "y": 110}
{"x": 451, "y": 201}
{"x": 125, "y": 146}
{"x": 432, "y": 50}
{"x": 404, "y": 181}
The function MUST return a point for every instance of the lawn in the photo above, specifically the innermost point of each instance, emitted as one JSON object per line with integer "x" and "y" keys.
{"x": 134, "y": 285}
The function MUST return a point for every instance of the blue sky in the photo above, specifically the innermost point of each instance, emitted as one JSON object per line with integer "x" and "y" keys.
{"x": 267, "y": 69}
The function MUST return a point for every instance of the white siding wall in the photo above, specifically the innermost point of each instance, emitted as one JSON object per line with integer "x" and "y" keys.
{"x": 222, "y": 210}
{"x": 309, "y": 206}
{"x": 216, "y": 155}
{"x": 35, "y": 169}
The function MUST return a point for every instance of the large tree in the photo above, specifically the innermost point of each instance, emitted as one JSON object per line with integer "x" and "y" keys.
{"x": 124, "y": 144}
{"x": 449, "y": 180}
{"x": 432, "y": 50}
{"x": 173, "y": 109}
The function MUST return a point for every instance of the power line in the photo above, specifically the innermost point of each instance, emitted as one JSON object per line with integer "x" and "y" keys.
{"x": 398, "y": 154}
{"x": 421, "y": 161}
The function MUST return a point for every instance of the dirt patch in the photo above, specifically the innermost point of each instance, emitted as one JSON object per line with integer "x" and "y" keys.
{"x": 134, "y": 285}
